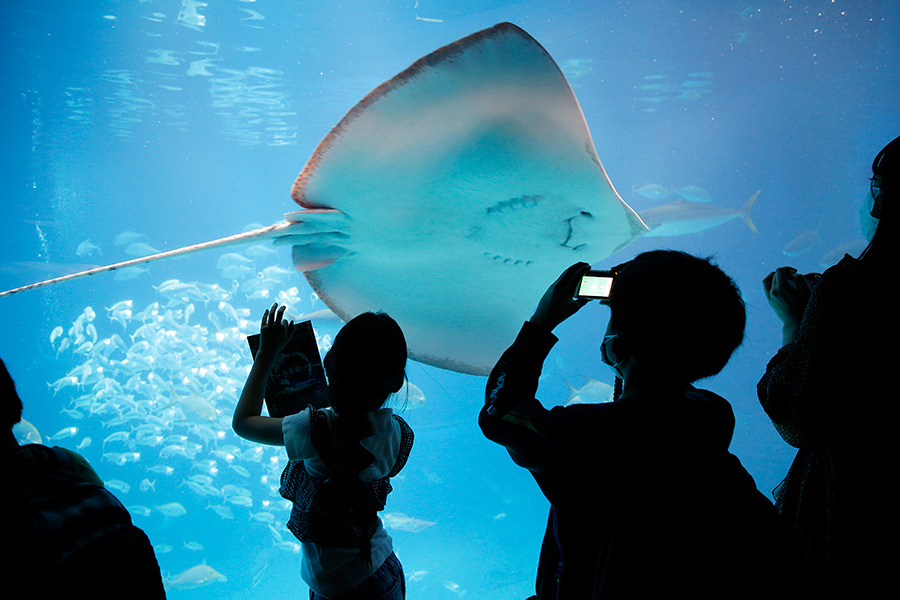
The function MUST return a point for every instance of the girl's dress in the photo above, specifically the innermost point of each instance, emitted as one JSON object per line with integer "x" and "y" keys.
{"x": 335, "y": 534}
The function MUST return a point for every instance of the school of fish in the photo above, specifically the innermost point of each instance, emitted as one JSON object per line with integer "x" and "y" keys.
{"x": 156, "y": 386}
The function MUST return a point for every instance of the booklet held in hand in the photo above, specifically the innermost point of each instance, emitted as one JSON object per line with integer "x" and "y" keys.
{"x": 297, "y": 379}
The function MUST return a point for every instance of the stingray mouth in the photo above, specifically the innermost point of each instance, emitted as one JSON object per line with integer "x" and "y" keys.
{"x": 571, "y": 242}
{"x": 575, "y": 238}
{"x": 572, "y": 233}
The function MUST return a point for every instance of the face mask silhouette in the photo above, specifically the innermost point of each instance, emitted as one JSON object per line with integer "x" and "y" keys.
{"x": 605, "y": 353}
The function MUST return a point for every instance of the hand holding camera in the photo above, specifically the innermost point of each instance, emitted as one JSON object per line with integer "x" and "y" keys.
{"x": 788, "y": 293}
{"x": 559, "y": 302}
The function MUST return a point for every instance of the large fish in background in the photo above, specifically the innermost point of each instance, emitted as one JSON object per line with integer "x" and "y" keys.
{"x": 450, "y": 197}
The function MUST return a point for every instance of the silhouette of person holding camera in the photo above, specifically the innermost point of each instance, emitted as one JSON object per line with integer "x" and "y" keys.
{"x": 646, "y": 501}
{"x": 830, "y": 392}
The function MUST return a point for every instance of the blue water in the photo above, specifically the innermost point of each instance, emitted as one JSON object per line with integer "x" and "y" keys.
{"x": 120, "y": 117}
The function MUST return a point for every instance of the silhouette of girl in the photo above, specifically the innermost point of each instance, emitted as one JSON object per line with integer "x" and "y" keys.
{"x": 342, "y": 457}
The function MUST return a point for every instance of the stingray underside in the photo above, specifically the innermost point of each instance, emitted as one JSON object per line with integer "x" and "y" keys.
{"x": 453, "y": 194}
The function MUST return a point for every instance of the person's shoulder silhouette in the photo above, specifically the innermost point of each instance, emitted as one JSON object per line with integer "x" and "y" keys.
{"x": 64, "y": 533}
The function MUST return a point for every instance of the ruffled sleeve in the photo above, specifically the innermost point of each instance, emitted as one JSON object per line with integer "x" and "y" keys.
{"x": 297, "y": 439}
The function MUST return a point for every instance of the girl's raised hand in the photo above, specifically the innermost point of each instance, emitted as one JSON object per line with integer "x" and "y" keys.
{"x": 275, "y": 331}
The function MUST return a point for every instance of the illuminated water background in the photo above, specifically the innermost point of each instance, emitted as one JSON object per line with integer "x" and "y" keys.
{"x": 184, "y": 121}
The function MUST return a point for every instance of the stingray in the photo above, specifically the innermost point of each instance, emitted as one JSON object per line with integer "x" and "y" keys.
{"x": 450, "y": 197}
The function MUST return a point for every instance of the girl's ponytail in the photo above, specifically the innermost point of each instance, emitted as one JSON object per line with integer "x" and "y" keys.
{"x": 365, "y": 365}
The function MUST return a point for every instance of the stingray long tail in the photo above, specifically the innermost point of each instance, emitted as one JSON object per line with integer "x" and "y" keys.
{"x": 269, "y": 231}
